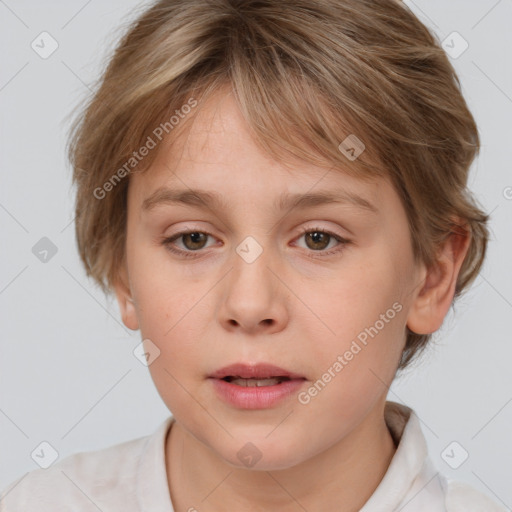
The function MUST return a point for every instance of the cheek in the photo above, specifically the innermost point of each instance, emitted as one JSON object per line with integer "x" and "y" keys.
{"x": 360, "y": 317}
{"x": 173, "y": 318}
{"x": 354, "y": 367}
{"x": 169, "y": 309}
{"x": 161, "y": 292}
{"x": 169, "y": 318}
{"x": 355, "y": 298}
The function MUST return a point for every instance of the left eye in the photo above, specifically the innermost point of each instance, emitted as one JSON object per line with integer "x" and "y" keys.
{"x": 319, "y": 239}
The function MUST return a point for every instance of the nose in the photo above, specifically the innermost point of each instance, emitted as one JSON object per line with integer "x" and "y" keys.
{"x": 253, "y": 298}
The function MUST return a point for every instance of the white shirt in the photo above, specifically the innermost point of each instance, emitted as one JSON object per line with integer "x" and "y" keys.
{"x": 131, "y": 477}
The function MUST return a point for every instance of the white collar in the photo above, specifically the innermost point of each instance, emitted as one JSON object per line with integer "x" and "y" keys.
{"x": 151, "y": 486}
{"x": 411, "y": 483}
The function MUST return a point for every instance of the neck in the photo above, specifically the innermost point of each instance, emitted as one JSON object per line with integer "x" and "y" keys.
{"x": 341, "y": 478}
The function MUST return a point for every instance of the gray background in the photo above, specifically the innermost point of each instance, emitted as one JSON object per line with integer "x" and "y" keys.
{"x": 67, "y": 372}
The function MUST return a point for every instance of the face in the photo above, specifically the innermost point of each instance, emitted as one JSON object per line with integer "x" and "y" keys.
{"x": 321, "y": 290}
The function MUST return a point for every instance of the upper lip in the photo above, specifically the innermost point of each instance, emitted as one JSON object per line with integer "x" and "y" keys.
{"x": 254, "y": 371}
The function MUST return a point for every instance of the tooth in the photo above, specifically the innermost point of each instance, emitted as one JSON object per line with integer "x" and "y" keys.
{"x": 252, "y": 383}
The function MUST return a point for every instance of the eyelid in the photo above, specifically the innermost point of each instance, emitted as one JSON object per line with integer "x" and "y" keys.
{"x": 309, "y": 229}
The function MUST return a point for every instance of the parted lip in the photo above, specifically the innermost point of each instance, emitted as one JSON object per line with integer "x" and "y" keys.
{"x": 254, "y": 371}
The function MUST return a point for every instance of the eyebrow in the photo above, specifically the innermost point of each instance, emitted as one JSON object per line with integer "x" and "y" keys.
{"x": 210, "y": 200}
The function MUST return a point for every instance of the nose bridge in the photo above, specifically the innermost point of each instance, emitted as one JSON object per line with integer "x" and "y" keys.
{"x": 251, "y": 271}
{"x": 252, "y": 296}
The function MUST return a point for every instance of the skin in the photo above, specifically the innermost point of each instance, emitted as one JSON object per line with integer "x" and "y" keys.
{"x": 292, "y": 307}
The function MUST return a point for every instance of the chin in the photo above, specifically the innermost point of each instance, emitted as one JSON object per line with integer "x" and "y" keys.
{"x": 263, "y": 456}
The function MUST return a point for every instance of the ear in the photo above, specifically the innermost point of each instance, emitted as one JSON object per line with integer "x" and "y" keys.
{"x": 125, "y": 300}
{"x": 433, "y": 301}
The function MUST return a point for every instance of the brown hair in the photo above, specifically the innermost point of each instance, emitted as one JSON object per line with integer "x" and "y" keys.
{"x": 306, "y": 75}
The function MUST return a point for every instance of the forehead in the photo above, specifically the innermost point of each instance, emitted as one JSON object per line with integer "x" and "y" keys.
{"x": 216, "y": 151}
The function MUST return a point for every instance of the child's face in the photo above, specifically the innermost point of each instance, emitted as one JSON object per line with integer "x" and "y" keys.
{"x": 299, "y": 305}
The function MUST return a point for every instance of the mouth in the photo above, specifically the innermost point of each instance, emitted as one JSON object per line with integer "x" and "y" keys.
{"x": 255, "y": 383}
{"x": 255, "y": 375}
{"x": 247, "y": 386}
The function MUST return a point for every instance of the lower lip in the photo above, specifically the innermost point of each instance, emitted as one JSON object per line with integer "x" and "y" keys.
{"x": 261, "y": 397}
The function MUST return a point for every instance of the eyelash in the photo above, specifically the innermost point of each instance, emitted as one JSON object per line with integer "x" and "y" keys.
{"x": 167, "y": 243}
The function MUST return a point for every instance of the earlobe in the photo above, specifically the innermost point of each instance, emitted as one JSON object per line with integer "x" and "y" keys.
{"x": 126, "y": 302}
{"x": 433, "y": 300}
